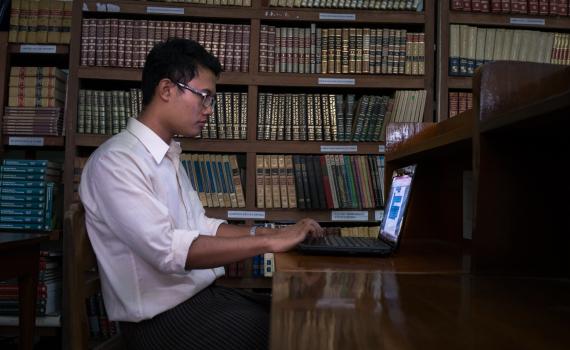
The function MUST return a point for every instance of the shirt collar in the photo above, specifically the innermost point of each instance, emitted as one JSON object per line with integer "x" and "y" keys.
{"x": 151, "y": 141}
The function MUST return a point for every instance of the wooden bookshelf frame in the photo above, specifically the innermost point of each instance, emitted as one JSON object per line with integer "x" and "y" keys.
{"x": 446, "y": 17}
{"x": 515, "y": 135}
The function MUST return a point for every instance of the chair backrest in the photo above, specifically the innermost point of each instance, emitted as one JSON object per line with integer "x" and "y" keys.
{"x": 81, "y": 276}
{"x": 82, "y": 282}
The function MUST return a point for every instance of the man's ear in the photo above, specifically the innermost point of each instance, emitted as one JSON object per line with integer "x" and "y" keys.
{"x": 165, "y": 90}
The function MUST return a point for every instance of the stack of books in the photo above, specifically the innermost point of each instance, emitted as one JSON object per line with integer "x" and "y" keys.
{"x": 36, "y": 100}
{"x": 29, "y": 194}
{"x": 48, "y": 300}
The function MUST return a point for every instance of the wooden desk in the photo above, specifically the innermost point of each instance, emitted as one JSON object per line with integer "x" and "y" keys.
{"x": 19, "y": 257}
{"x": 415, "y": 256}
{"x": 379, "y": 310}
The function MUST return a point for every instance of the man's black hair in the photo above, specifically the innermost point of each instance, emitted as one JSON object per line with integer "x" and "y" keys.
{"x": 175, "y": 59}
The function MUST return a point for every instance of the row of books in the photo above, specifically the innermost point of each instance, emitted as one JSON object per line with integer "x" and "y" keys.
{"x": 246, "y": 3}
{"x": 49, "y": 288}
{"x": 529, "y": 7}
{"x": 470, "y": 46}
{"x": 125, "y": 43}
{"x": 322, "y": 117}
{"x": 331, "y": 181}
{"x": 459, "y": 102}
{"x": 40, "y": 21}
{"x": 106, "y": 112}
{"x": 100, "y": 327}
{"x": 341, "y": 50}
{"x": 36, "y": 87}
{"x": 391, "y": 5}
{"x": 262, "y": 265}
{"x": 33, "y": 121}
{"x": 217, "y": 179}
{"x": 29, "y": 194}
{"x": 229, "y": 120}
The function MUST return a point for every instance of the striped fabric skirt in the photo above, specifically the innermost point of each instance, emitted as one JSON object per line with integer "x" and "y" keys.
{"x": 215, "y": 318}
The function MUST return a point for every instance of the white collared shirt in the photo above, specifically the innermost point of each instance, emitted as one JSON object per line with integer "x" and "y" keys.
{"x": 141, "y": 219}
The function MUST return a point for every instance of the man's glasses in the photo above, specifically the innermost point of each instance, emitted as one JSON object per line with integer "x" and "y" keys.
{"x": 207, "y": 99}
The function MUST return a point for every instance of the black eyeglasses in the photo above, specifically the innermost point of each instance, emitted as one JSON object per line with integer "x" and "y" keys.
{"x": 207, "y": 99}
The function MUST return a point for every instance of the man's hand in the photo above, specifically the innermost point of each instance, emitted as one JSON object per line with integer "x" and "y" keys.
{"x": 288, "y": 237}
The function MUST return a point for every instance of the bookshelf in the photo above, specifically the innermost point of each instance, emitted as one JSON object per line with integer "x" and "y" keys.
{"x": 510, "y": 141}
{"x": 447, "y": 83}
{"x": 31, "y": 147}
{"x": 253, "y": 82}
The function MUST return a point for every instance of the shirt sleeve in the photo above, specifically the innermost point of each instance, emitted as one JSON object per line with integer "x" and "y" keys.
{"x": 121, "y": 191}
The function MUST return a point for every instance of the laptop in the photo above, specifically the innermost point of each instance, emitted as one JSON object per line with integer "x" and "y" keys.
{"x": 388, "y": 238}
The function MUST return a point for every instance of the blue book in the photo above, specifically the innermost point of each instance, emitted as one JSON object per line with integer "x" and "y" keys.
{"x": 20, "y": 190}
{"x": 31, "y": 163}
{"x": 22, "y": 197}
{"x": 20, "y": 226}
{"x": 22, "y": 205}
{"x": 18, "y": 212}
{"x": 22, "y": 183}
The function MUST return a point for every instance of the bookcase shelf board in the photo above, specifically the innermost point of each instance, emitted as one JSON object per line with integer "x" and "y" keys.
{"x": 290, "y": 215}
{"x": 505, "y": 20}
{"x": 358, "y": 16}
{"x": 178, "y": 10}
{"x": 48, "y": 141}
{"x": 460, "y": 83}
{"x": 134, "y": 74}
{"x": 59, "y": 49}
{"x": 344, "y": 80}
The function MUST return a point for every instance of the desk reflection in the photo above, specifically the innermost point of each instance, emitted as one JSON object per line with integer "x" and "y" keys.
{"x": 375, "y": 310}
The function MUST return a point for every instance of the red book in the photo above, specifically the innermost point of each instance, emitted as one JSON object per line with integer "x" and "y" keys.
{"x": 457, "y": 5}
{"x": 563, "y": 7}
{"x": 533, "y": 7}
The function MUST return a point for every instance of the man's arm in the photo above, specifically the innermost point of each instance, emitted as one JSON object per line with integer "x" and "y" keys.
{"x": 233, "y": 243}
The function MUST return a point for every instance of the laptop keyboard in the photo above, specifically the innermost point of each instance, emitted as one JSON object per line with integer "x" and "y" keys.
{"x": 348, "y": 242}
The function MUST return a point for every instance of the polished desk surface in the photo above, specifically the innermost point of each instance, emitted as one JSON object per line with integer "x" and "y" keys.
{"x": 377, "y": 310}
{"x": 422, "y": 297}
{"x": 417, "y": 256}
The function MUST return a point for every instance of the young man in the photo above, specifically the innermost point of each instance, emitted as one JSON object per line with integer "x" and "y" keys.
{"x": 158, "y": 253}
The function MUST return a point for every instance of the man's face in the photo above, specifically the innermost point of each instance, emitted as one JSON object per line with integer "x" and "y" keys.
{"x": 190, "y": 113}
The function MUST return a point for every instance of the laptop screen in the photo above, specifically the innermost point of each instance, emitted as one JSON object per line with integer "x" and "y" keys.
{"x": 396, "y": 204}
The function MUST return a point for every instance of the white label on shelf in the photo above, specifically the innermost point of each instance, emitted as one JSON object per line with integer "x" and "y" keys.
{"x": 246, "y": 214}
{"x": 113, "y": 8}
{"x": 25, "y": 141}
{"x": 528, "y": 21}
{"x": 85, "y": 8}
{"x": 378, "y": 215}
{"x": 340, "y": 215}
{"x": 165, "y": 10}
{"x": 339, "y": 149}
{"x": 104, "y": 7}
{"x": 37, "y": 48}
{"x": 381, "y": 148}
{"x": 336, "y": 81}
{"x": 337, "y": 16}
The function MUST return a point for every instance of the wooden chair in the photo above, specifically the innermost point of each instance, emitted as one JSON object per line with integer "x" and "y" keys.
{"x": 82, "y": 282}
